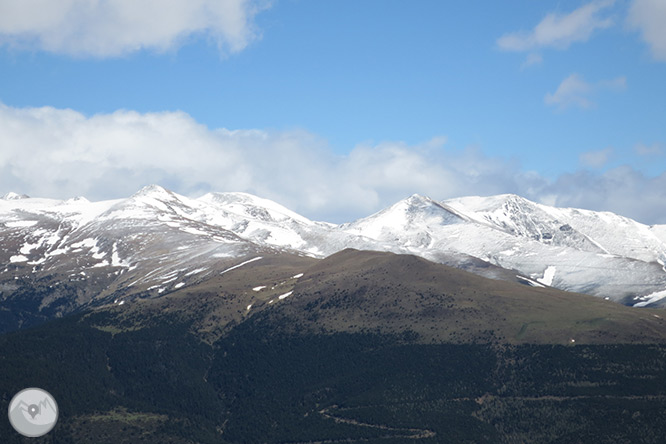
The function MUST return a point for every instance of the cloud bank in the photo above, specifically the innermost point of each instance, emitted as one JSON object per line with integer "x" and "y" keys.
{"x": 622, "y": 190}
{"x": 114, "y": 28}
{"x": 60, "y": 153}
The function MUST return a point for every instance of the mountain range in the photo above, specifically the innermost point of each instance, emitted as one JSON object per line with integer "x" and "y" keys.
{"x": 61, "y": 256}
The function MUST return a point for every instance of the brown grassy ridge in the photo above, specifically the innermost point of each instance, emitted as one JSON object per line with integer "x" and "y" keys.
{"x": 368, "y": 291}
{"x": 364, "y": 290}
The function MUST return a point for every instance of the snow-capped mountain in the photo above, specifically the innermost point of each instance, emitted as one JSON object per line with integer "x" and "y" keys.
{"x": 577, "y": 250}
{"x": 61, "y": 255}
{"x": 157, "y": 241}
{"x": 58, "y": 256}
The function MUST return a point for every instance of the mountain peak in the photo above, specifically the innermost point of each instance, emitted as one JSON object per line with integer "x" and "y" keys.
{"x": 153, "y": 190}
{"x": 515, "y": 199}
{"x": 77, "y": 199}
{"x": 14, "y": 196}
{"x": 490, "y": 203}
{"x": 408, "y": 222}
{"x": 417, "y": 199}
{"x": 248, "y": 205}
{"x": 154, "y": 194}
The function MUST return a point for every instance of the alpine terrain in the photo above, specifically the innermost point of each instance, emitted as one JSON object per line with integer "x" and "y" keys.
{"x": 61, "y": 256}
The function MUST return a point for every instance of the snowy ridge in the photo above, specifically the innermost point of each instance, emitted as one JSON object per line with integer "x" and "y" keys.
{"x": 14, "y": 196}
{"x": 157, "y": 240}
{"x": 577, "y": 250}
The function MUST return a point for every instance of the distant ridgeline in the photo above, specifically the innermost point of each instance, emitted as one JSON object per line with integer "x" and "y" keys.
{"x": 60, "y": 257}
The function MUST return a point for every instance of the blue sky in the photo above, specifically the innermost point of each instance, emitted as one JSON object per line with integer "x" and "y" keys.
{"x": 338, "y": 108}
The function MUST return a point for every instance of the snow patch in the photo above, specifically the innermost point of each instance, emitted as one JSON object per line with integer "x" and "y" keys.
{"x": 28, "y": 247}
{"x": 282, "y": 296}
{"x": 241, "y": 264}
{"x": 223, "y": 240}
{"x": 18, "y": 258}
{"x": 89, "y": 243}
{"x": 314, "y": 252}
{"x": 21, "y": 223}
{"x": 115, "y": 258}
{"x": 651, "y": 298}
{"x": 179, "y": 285}
{"x": 38, "y": 261}
{"x": 259, "y": 288}
{"x": 198, "y": 270}
{"x": 57, "y": 252}
{"x": 96, "y": 254}
{"x": 170, "y": 274}
{"x": 284, "y": 238}
{"x": 529, "y": 281}
{"x": 299, "y": 275}
{"x": 548, "y": 276}
{"x": 193, "y": 231}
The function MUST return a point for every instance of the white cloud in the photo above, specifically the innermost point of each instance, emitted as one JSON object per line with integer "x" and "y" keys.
{"x": 572, "y": 91}
{"x": 649, "y": 17}
{"x": 532, "y": 60}
{"x": 622, "y": 190}
{"x": 117, "y": 27}
{"x": 575, "y": 91}
{"x": 560, "y": 30}
{"x": 596, "y": 159}
{"x": 649, "y": 150}
{"x": 61, "y": 153}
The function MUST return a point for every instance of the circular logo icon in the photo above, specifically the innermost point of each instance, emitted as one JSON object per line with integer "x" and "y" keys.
{"x": 33, "y": 412}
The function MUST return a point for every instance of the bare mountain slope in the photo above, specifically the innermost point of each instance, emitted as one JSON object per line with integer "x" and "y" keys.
{"x": 357, "y": 291}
